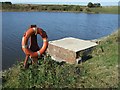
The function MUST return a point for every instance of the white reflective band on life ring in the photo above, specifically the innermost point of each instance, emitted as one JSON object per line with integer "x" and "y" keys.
{"x": 45, "y": 40}
{"x": 38, "y": 53}
{"x": 24, "y": 46}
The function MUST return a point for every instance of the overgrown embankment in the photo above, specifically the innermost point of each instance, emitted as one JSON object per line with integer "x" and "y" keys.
{"x": 101, "y": 71}
{"x": 57, "y": 8}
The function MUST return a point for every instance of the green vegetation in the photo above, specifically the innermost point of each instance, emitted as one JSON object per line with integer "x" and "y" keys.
{"x": 90, "y": 5}
{"x": 101, "y": 71}
{"x": 107, "y": 9}
{"x": 6, "y": 3}
{"x": 32, "y": 7}
{"x": 92, "y": 8}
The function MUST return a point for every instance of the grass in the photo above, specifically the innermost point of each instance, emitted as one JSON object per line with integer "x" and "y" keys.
{"x": 107, "y": 9}
{"x": 101, "y": 71}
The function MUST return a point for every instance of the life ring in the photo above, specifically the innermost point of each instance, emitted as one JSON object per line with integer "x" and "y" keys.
{"x": 26, "y": 37}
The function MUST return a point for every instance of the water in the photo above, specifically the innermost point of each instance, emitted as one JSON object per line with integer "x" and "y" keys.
{"x": 56, "y": 24}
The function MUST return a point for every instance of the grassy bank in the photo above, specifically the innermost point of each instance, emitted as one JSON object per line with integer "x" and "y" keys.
{"x": 108, "y": 9}
{"x": 101, "y": 71}
{"x": 58, "y": 8}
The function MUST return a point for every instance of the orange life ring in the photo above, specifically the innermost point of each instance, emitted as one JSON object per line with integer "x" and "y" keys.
{"x": 26, "y": 37}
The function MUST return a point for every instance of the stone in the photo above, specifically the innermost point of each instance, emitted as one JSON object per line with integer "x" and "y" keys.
{"x": 69, "y": 49}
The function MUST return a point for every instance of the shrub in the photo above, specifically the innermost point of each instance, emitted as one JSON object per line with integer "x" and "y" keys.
{"x": 7, "y": 3}
{"x": 90, "y": 4}
{"x": 97, "y": 5}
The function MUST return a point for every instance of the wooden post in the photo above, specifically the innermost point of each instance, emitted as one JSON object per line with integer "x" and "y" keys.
{"x": 25, "y": 62}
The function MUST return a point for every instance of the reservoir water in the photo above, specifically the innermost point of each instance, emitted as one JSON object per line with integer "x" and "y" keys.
{"x": 57, "y": 25}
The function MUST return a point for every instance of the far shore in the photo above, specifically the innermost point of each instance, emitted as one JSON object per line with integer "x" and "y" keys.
{"x": 59, "y": 8}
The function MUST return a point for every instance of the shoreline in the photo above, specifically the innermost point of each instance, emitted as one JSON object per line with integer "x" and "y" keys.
{"x": 116, "y": 32}
{"x": 62, "y": 12}
{"x": 57, "y": 11}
